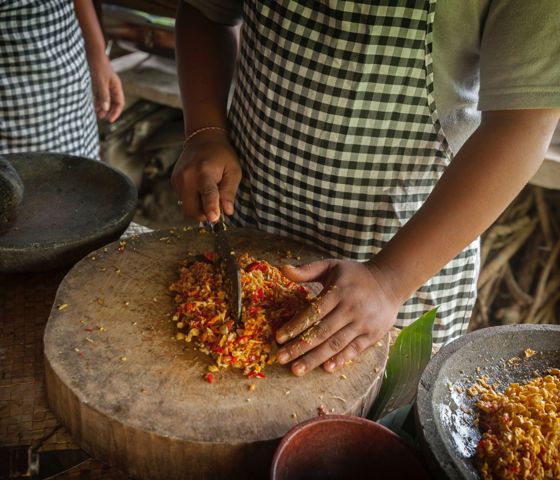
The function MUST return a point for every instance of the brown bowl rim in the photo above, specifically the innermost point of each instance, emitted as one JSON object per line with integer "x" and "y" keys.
{"x": 296, "y": 429}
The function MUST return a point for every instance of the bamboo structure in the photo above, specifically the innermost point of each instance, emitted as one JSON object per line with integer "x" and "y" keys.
{"x": 520, "y": 263}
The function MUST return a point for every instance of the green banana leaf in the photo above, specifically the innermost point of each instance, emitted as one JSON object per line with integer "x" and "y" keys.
{"x": 407, "y": 359}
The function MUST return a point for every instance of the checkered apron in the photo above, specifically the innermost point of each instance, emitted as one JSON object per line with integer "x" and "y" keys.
{"x": 335, "y": 123}
{"x": 45, "y": 86}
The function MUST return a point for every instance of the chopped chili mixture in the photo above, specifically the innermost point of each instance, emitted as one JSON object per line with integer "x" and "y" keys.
{"x": 521, "y": 430}
{"x": 202, "y": 316}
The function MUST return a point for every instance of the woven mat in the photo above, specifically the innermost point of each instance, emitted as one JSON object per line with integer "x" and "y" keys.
{"x": 25, "y": 304}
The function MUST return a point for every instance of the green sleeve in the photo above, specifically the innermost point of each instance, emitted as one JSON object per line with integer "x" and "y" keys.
{"x": 520, "y": 55}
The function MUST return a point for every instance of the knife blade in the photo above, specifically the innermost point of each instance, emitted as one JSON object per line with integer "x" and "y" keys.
{"x": 230, "y": 269}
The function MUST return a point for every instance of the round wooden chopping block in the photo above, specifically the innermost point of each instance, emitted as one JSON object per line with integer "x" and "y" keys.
{"x": 133, "y": 396}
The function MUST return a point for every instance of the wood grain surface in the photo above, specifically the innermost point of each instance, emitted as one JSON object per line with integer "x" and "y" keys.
{"x": 133, "y": 396}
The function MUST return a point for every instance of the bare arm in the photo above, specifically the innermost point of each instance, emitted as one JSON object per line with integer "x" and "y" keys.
{"x": 107, "y": 89}
{"x": 488, "y": 172}
{"x": 207, "y": 174}
{"x": 91, "y": 31}
{"x": 485, "y": 176}
{"x": 206, "y": 54}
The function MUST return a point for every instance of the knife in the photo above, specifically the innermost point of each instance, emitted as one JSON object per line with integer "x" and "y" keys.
{"x": 230, "y": 268}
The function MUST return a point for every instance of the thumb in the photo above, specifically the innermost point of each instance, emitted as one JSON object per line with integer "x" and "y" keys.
{"x": 116, "y": 102}
{"x": 102, "y": 98}
{"x": 310, "y": 272}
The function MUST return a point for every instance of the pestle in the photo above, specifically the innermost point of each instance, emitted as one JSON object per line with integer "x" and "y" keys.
{"x": 11, "y": 191}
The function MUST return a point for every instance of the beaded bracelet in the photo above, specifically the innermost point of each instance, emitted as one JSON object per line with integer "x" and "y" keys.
{"x": 200, "y": 130}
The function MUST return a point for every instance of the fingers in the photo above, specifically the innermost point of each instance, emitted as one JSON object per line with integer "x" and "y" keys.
{"x": 350, "y": 315}
{"x": 318, "y": 309}
{"x": 102, "y": 100}
{"x": 117, "y": 99}
{"x": 190, "y": 199}
{"x": 192, "y": 206}
{"x": 330, "y": 330}
{"x": 344, "y": 346}
{"x": 228, "y": 189}
{"x": 209, "y": 198}
{"x": 311, "y": 272}
{"x": 207, "y": 176}
{"x": 199, "y": 202}
{"x": 184, "y": 184}
{"x": 333, "y": 354}
{"x": 107, "y": 90}
{"x": 311, "y": 317}
{"x": 351, "y": 351}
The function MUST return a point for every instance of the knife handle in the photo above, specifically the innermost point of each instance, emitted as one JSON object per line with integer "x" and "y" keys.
{"x": 220, "y": 224}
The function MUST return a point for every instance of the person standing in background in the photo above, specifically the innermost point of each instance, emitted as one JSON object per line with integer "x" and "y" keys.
{"x": 49, "y": 98}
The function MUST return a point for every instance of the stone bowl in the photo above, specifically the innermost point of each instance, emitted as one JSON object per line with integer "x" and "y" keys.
{"x": 446, "y": 413}
{"x": 70, "y": 207}
{"x": 11, "y": 192}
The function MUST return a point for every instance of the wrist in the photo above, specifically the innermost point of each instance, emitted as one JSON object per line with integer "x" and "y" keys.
{"x": 96, "y": 51}
{"x": 206, "y": 134}
{"x": 394, "y": 282}
{"x": 96, "y": 57}
{"x": 200, "y": 131}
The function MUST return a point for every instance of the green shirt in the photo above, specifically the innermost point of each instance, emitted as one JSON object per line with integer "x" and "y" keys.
{"x": 494, "y": 55}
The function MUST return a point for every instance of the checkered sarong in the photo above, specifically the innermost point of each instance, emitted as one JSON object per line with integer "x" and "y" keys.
{"x": 45, "y": 86}
{"x": 335, "y": 124}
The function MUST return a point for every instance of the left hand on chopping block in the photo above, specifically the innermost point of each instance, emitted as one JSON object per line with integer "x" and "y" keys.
{"x": 352, "y": 312}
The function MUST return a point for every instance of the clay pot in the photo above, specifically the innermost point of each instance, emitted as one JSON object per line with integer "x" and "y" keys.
{"x": 341, "y": 447}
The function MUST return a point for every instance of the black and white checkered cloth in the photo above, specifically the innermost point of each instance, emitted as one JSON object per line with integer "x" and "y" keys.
{"x": 334, "y": 120}
{"x": 45, "y": 86}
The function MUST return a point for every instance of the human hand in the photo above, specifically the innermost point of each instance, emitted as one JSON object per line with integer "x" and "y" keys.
{"x": 207, "y": 175}
{"x": 108, "y": 96}
{"x": 354, "y": 310}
